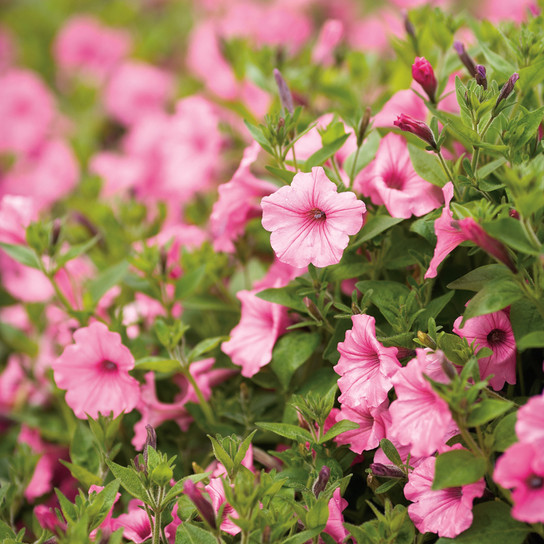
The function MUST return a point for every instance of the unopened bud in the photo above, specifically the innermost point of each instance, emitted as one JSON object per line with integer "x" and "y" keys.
{"x": 321, "y": 482}
{"x": 55, "y": 234}
{"x": 466, "y": 59}
{"x": 281, "y": 123}
{"x": 408, "y": 26}
{"x": 423, "y": 73}
{"x": 265, "y": 539}
{"x": 313, "y": 310}
{"x": 163, "y": 260}
{"x": 372, "y": 482}
{"x": 286, "y": 98}
{"x": 244, "y": 392}
{"x": 426, "y": 340}
{"x": 203, "y": 506}
{"x": 480, "y": 76}
{"x": 151, "y": 440}
{"x": 448, "y": 368}
{"x": 138, "y": 465}
{"x": 418, "y": 128}
{"x": 513, "y": 213}
{"x": 506, "y": 90}
{"x": 386, "y": 471}
{"x": 363, "y": 126}
{"x": 302, "y": 423}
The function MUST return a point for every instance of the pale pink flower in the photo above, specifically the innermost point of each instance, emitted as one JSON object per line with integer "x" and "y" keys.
{"x": 85, "y": 46}
{"x": 492, "y": 331}
{"x": 135, "y": 90}
{"x": 419, "y": 416}
{"x": 135, "y": 523}
{"x": 120, "y": 173}
{"x": 497, "y": 11}
{"x": 365, "y": 366}
{"x": 335, "y": 523}
{"x": 238, "y": 202}
{"x": 310, "y": 221}
{"x": 405, "y": 101}
{"x": 447, "y": 512}
{"x": 143, "y": 309}
{"x": 373, "y": 32}
{"x": 94, "y": 371}
{"x": 521, "y": 467}
{"x": 372, "y": 426}
{"x": 27, "y": 111}
{"x": 217, "y": 495}
{"x": 390, "y": 179}
{"x": 329, "y": 37}
{"x": 16, "y": 213}
{"x": 24, "y": 283}
{"x": 530, "y": 422}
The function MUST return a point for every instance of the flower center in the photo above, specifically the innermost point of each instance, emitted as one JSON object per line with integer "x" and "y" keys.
{"x": 535, "y": 482}
{"x": 317, "y": 214}
{"x": 496, "y": 336}
{"x": 109, "y": 366}
{"x": 394, "y": 179}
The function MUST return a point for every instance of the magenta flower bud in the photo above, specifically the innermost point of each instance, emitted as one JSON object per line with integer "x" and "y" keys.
{"x": 465, "y": 58}
{"x": 419, "y": 128}
{"x": 513, "y": 213}
{"x": 386, "y": 471}
{"x": 322, "y": 480}
{"x": 286, "y": 98}
{"x": 203, "y": 506}
{"x": 480, "y": 76}
{"x": 423, "y": 73}
{"x": 506, "y": 90}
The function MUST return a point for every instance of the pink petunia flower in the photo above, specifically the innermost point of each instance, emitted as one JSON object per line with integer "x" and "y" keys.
{"x": 423, "y": 73}
{"x": 405, "y": 101}
{"x": 447, "y": 512}
{"x": 335, "y": 523}
{"x": 310, "y": 221}
{"x": 137, "y": 89}
{"x": 238, "y": 202}
{"x": 372, "y": 426}
{"x": 16, "y": 213}
{"x": 135, "y": 523}
{"x": 492, "y": 331}
{"x": 530, "y": 422}
{"x": 329, "y": 37}
{"x": 94, "y": 371}
{"x": 419, "y": 416}
{"x": 390, "y": 179}
{"x": 521, "y": 467}
{"x": 365, "y": 366}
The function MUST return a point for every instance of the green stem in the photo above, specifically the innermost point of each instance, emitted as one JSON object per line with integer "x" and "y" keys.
{"x": 206, "y": 408}
{"x": 444, "y": 166}
{"x": 352, "y": 173}
{"x": 336, "y": 170}
{"x": 295, "y": 159}
{"x": 476, "y": 155}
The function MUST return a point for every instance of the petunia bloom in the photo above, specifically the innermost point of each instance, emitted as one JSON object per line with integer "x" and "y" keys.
{"x": 447, "y": 512}
{"x": 521, "y": 467}
{"x": 390, "y": 179}
{"x": 94, "y": 371}
{"x": 310, "y": 221}
{"x": 365, "y": 366}
{"x": 530, "y": 422}
{"x": 492, "y": 331}
{"x": 423, "y": 73}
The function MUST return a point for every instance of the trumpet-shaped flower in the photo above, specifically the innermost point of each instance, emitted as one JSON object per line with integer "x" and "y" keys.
{"x": 365, "y": 366}
{"x": 310, "y": 221}
{"x": 390, "y": 179}
{"x": 530, "y": 423}
{"x": 94, "y": 371}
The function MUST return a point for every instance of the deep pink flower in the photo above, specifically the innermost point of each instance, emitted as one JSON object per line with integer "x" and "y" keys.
{"x": 310, "y": 221}
{"x": 94, "y": 371}
{"x": 418, "y": 128}
{"x": 521, "y": 467}
{"x": 135, "y": 523}
{"x": 419, "y": 416}
{"x": 371, "y": 429}
{"x": 365, "y": 366}
{"x": 492, "y": 331}
{"x": 205, "y": 508}
{"x": 447, "y": 512}
{"x": 135, "y": 90}
{"x": 335, "y": 523}
{"x": 86, "y": 46}
{"x": 530, "y": 422}
{"x": 423, "y": 73}
{"x": 238, "y": 202}
{"x": 390, "y": 179}
{"x": 217, "y": 495}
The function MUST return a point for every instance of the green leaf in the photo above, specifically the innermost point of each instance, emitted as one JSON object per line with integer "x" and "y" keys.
{"x": 510, "y": 231}
{"x": 366, "y": 153}
{"x": 160, "y": 364}
{"x": 487, "y": 410}
{"x": 101, "y": 508}
{"x": 456, "y": 468}
{"x": 318, "y": 514}
{"x": 221, "y": 454}
{"x": 525, "y": 319}
{"x": 479, "y": 277}
{"x": 5, "y": 531}
{"x": 76, "y": 251}
{"x": 189, "y": 282}
{"x": 487, "y": 169}
{"x": 427, "y": 165}
{"x": 391, "y": 452}
{"x": 258, "y": 136}
{"x": 325, "y": 153}
{"x": 68, "y": 509}
{"x": 492, "y": 524}
{"x": 129, "y": 480}
{"x": 531, "y": 76}
{"x": 191, "y": 534}
{"x": 204, "y": 347}
{"x": 501, "y": 67}
{"x": 284, "y": 296}
{"x": 338, "y": 428}
{"x": 281, "y": 173}
{"x": 22, "y": 254}
{"x": 495, "y": 296}
{"x": 374, "y": 226}
{"x": 385, "y": 487}
{"x": 18, "y": 340}
{"x": 504, "y": 434}
{"x": 534, "y": 339}
{"x": 293, "y": 432}
{"x": 107, "y": 279}
{"x": 304, "y": 536}
{"x": 244, "y": 446}
{"x": 433, "y": 309}
{"x": 291, "y": 352}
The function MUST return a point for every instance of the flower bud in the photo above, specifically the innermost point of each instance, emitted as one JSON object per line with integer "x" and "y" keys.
{"x": 363, "y": 126}
{"x": 506, "y": 90}
{"x": 203, "y": 506}
{"x": 480, "y": 76}
{"x": 419, "y": 128}
{"x": 513, "y": 213}
{"x": 151, "y": 440}
{"x": 448, "y": 368}
{"x": 55, "y": 235}
{"x": 423, "y": 73}
{"x": 321, "y": 482}
{"x": 286, "y": 98}
{"x": 408, "y": 26}
{"x": 386, "y": 471}
{"x": 426, "y": 340}
{"x": 313, "y": 310}
{"x": 466, "y": 59}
